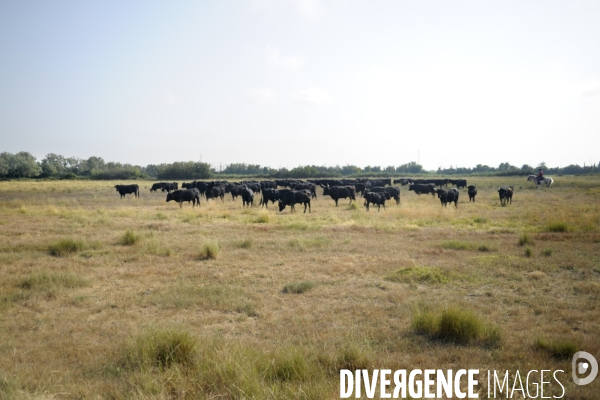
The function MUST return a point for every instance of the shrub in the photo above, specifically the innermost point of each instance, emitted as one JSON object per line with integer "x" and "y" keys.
{"x": 129, "y": 238}
{"x": 299, "y": 287}
{"x": 66, "y": 246}
{"x": 161, "y": 349}
{"x": 525, "y": 239}
{"x": 562, "y": 349}
{"x": 209, "y": 251}
{"x": 557, "y": 227}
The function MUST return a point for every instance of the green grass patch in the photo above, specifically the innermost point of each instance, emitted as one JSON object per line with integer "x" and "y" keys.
{"x": 561, "y": 349}
{"x": 263, "y": 218}
{"x": 209, "y": 251}
{"x": 215, "y": 297}
{"x": 298, "y": 287}
{"x": 47, "y": 281}
{"x": 480, "y": 220}
{"x": 528, "y": 252}
{"x": 525, "y": 240}
{"x": 547, "y": 252}
{"x": 246, "y": 243}
{"x": 161, "y": 349}
{"x": 484, "y": 248}
{"x": 455, "y": 325}
{"x": 557, "y": 227}
{"x": 129, "y": 238}
{"x": 458, "y": 245}
{"x": 65, "y": 247}
{"x": 418, "y": 274}
{"x": 353, "y": 206}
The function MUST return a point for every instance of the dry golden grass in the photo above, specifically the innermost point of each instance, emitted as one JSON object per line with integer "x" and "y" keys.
{"x": 102, "y": 319}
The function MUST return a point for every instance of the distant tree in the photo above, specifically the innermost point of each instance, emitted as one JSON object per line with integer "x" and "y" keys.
{"x": 347, "y": 170}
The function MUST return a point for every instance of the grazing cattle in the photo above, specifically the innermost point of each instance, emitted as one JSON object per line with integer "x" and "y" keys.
{"x": 459, "y": 183}
{"x": 202, "y": 187}
{"x": 188, "y": 195}
{"x": 272, "y": 195}
{"x": 216, "y": 191}
{"x": 402, "y": 181}
{"x": 378, "y": 198}
{"x": 295, "y": 197}
{"x": 472, "y": 191}
{"x": 448, "y": 196}
{"x": 306, "y": 186}
{"x": 235, "y": 190}
{"x": 189, "y": 185}
{"x": 340, "y": 192}
{"x": 506, "y": 193}
{"x": 422, "y": 188}
{"x": 169, "y": 187}
{"x": 393, "y": 191}
{"x": 156, "y": 186}
{"x": 128, "y": 189}
{"x": 247, "y": 196}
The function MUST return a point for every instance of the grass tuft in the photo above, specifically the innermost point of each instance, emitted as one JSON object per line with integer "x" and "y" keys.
{"x": 557, "y": 227}
{"x": 455, "y": 325}
{"x": 528, "y": 252}
{"x": 161, "y": 349}
{"x": 561, "y": 349}
{"x": 48, "y": 281}
{"x": 66, "y": 246}
{"x": 525, "y": 240}
{"x": 353, "y": 206}
{"x": 263, "y": 218}
{"x": 547, "y": 252}
{"x": 484, "y": 248}
{"x": 246, "y": 243}
{"x": 480, "y": 220}
{"x": 130, "y": 238}
{"x": 298, "y": 287}
{"x": 457, "y": 245}
{"x": 210, "y": 251}
{"x": 418, "y": 274}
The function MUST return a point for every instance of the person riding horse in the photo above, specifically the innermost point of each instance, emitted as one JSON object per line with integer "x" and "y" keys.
{"x": 540, "y": 176}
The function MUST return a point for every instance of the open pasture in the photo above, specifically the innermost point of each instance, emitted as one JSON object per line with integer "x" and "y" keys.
{"x": 137, "y": 298}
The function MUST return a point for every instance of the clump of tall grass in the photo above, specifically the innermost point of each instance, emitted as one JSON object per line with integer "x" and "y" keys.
{"x": 161, "y": 349}
{"x": 455, "y": 325}
{"x": 525, "y": 240}
{"x": 288, "y": 365}
{"x": 298, "y": 287}
{"x": 246, "y": 243}
{"x": 47, "y": 281}
{"x": 353, "y": 206}
{"x": 418, "y": 274}
{"x": 547, "y": 252}
{"x": 66, "y": 246}
{"x": 210, "y": 251}
{"x": 557, "y": 227}
{"x": 480, "y": 220}
{"x": 458, "y": 245}
{"x": 263, "y": 218}
{"x": 528, "y": 252}
{"x": 129, "y": 238}
{"x": 562, "y": 349}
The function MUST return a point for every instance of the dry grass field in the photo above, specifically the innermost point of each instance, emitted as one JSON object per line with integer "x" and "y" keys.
{"x": 137, "y": 298}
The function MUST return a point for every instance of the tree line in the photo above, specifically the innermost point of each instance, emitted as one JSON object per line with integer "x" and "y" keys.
{"x": 55, "y": 166}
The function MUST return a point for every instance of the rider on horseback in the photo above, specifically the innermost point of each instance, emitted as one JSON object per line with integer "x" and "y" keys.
{"x": 540, "y": 176}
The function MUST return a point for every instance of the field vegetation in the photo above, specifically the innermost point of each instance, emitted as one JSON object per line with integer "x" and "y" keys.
{"x": 137, "y": 298}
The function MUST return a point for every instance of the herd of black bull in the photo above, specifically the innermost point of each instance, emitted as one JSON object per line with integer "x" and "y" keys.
{"x": 301, "y": 192}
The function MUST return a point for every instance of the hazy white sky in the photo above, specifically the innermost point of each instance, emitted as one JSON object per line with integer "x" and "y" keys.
{"x": 295, "y": 82}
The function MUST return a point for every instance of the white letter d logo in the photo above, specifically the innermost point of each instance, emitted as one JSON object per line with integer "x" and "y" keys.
{"x": 583, "y": 367}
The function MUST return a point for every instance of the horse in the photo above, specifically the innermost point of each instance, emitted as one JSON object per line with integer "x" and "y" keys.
{"x": 548, "y": 181}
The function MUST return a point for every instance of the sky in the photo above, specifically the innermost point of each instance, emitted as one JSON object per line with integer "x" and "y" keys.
{"x": 283, "y": 83}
